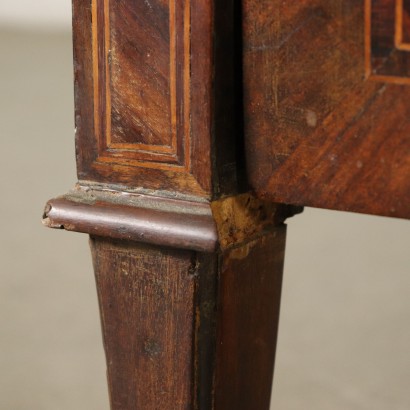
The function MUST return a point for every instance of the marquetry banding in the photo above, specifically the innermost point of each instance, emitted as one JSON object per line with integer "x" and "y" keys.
{"x": 368, "y": 37}
{"x": 399, "y": 44}
{"x": 171, "y": 155}
{"x": 401, "y": 40}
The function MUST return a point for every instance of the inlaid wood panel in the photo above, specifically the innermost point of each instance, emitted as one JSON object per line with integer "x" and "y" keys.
{"x": 143, "y": 97}
{"x": 327, "y": 104}
{"x": 403, "y": 24}
{"x": 387, "y": 52}
{"x": 140, "y": 79}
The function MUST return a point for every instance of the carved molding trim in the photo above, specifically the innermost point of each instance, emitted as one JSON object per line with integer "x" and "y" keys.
{"x": 139, "y": 218}
{"x": 200, "y": 226}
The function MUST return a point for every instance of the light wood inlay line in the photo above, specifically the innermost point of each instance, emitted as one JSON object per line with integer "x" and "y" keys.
{"x": 96, "y": 71}
{"x": 146, "y": 155}
{"x": 107, "y": 42}
{"x": 400, "y": 43}
{"x": 368, "y": 37}
{"x": 398, "y": 36}
{"x": 173, "y": 72}
{"x": 379, "y": 74}
{"x": 187, "y": 78}
{"x": 390, "y": 79}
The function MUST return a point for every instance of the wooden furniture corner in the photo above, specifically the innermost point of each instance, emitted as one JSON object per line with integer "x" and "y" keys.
{"x": 197, "y": 123}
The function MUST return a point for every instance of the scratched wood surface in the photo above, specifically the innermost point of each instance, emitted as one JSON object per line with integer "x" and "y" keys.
{"x": 249, "y": 303}
{"x": 147, "y": 299}
{"x": 185, "y": 330}
{"x": 327, "y": 103}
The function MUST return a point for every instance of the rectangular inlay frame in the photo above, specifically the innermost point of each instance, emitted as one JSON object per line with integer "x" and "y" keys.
{"x": 401, "y": 42}
{"x": 177, "y": 155}
{"x": 397, "y": 43}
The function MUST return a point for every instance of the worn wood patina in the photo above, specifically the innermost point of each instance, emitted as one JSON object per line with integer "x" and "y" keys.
{"x": 197, "y": 123}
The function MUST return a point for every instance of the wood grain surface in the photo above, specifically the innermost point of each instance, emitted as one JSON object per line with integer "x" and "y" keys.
{"x": 142, "y": 97}
{"x": 327, "y": 104}
{"x": 249, "y": 303}
{"x": 155, "y": 95}
{"x": 187, "y": 330}
{"x": 147, "y": 299}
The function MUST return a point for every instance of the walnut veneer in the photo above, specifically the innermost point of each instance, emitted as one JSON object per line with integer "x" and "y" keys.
{"x": 197, "y": 122}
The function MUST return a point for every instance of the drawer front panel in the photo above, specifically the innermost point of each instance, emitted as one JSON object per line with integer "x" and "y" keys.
{"x": 327, "y": 103}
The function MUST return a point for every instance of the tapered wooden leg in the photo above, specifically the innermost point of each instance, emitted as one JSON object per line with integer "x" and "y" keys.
{"x": 190, "y": 330}
{"x": 147, "y": 303}
{"x": 189, "y": 296}
{"x": 250, "y": 279}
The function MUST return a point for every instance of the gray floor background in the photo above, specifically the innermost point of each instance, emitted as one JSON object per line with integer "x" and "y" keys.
{"x": 344, "y": 340}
